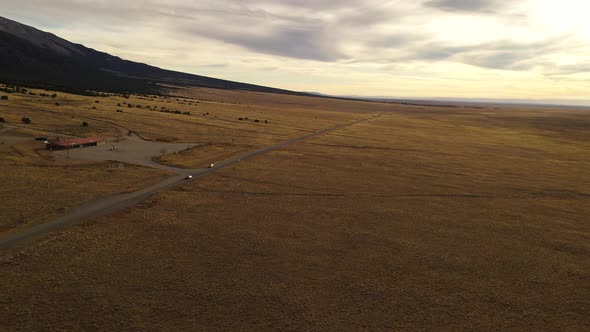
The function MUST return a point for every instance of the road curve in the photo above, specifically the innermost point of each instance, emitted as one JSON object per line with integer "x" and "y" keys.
{"x": 120, "y": 202}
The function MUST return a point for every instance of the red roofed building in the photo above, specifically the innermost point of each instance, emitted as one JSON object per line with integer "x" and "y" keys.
{"x": 73, "y": 143}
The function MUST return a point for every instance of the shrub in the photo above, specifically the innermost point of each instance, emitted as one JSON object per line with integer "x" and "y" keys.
{"x": 241, "y": 119}
{"x": 4, "y": 98}
{"x": 256, "y": 120}
{"x": 25, "y": 120}
{"x": 265, "y": 121}
{"x": 84, "y": 124}
{"x": 97, "y": 101}
{"x": 2, "y": 120}
{"x": 119, "y": 111}
{"x": 54, "y": 96}
{"x": 56, "y": 104}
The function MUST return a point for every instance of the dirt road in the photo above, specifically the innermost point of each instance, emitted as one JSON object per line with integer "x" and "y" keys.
{"x": 119, "y": 202}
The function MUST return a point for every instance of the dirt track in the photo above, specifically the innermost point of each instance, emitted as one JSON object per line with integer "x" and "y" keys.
{"x": 119, "y": 202}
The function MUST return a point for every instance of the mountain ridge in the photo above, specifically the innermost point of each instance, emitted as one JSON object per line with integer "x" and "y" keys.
{"x": 38, "y": 58}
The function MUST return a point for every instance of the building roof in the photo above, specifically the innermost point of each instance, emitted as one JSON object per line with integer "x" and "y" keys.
{"x": 77, "y": 141}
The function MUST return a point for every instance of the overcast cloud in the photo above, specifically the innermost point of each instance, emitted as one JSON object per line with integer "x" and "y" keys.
{"x": 444, "y": 48}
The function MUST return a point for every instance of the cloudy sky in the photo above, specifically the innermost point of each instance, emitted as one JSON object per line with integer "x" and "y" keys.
{"x": 533, "y": 49}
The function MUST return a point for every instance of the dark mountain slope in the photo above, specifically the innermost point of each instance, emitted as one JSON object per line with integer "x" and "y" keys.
{"x": 23, "y": 63}
{"x": 32, "y": 57}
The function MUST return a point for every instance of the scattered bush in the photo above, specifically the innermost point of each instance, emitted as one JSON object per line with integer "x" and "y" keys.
{"x": 97, "y": 101}
{"x": 56, "y": 104}
{"x": 4, "y": 98}
{"x": 54, "y": 96}
{"x": 2, "y": 120}
{"x": 119, "y": 111}
{"x": 84, "y": 124}
{"x": 256, "y": 120}
{"x": 93, "y": 107}
{"x": 241, "y": 119}
{"x": 25, "y": 120}
{"x": 118, "y": 104}
{"x": 265, "y": 121}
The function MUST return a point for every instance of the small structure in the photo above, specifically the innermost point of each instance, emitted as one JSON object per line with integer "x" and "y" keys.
{"x": 63, "y": 144}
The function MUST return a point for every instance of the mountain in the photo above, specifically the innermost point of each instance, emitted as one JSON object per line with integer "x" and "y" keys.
{"x": 32, "y": 57}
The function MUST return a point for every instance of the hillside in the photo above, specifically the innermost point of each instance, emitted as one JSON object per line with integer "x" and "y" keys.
{"x": 29, "y": 56}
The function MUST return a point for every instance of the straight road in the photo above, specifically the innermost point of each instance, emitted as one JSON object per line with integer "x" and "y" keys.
{"x": 120, "y": 202}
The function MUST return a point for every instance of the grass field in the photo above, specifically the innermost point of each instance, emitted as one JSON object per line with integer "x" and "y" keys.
{"x": 421, "y": 219}
{"x": 37, "y": 186}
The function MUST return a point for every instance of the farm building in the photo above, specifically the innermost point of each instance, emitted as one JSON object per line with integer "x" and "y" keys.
{"x": 62, "y": 144}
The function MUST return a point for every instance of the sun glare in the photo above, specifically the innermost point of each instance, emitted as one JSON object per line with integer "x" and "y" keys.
{"x": 564, "y": 16}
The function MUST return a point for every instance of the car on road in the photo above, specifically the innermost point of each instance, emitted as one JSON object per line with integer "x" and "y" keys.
{"x": 211, "y": 165}
{"x": 188, "y": 177}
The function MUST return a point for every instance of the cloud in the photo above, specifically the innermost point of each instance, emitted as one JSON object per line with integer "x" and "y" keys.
{"x": 309, "y": 43}
{"x": 464, "y": 5}
{"x": 312, "y": 41}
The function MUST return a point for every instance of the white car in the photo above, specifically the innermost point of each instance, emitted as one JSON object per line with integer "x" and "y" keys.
{"x": 188, "y": 177}
{"x": 211, "y": 165}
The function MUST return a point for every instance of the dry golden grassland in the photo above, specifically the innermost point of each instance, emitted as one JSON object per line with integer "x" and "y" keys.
{"x": 422, "y": 219}
{"x": 36, "y": 187}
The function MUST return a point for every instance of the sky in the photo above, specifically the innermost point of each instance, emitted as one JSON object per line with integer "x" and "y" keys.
{"x": 521, "y": 49}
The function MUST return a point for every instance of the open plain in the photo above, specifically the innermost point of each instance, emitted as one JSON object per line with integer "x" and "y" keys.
{"x": 423, "y": 218}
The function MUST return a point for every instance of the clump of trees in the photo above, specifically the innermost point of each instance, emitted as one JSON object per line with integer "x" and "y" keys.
{"x": 175, "y": 112}
{"x": 119, "y": 111}
{"x": 256, "y": 120}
